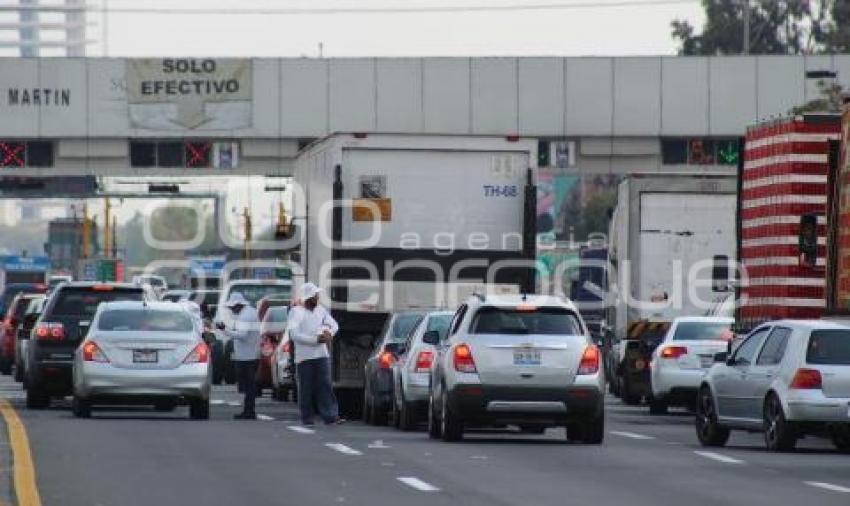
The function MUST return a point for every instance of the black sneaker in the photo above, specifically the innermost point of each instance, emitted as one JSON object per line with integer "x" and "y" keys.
{"x": 245, "y": 416}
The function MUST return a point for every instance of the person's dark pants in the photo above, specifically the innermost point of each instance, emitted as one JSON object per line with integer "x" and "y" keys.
{"x": 316, "y": 387}
{"x": 246, "y": 374}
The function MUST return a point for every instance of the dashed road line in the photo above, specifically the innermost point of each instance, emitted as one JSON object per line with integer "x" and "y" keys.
{"x": 235, "y": 404}
{"x": 631, "y": 435}
{"x": 341, "y": 448}
{"x": 414, "y": 482}
{"x": 301, "y": 429}
{"x": 828, "y": 486}
{"x": 265, "y": 418}
{"x": 216, "y": 402}
{"x": 719, "y": 457}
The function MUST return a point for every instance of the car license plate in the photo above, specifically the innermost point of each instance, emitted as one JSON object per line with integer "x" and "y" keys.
{"x": 527, "y": 357}
{"x": 145, "y": 356}
{"x": 706, "y": 361}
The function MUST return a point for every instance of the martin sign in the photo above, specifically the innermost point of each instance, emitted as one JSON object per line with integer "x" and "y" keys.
{"x": 193, "y": 94}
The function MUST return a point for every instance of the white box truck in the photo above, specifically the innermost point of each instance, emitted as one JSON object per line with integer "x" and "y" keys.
{"x": 672, "y": 250}
{"x": 411, "y": 222}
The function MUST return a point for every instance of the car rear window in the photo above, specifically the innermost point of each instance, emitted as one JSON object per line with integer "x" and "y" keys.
{"x": 829, "y": 347}
{"x": 703, "y": 331}
{"x": 402, "y": 325}
{"x": 153, "y": 320}
{"x": 440, "y": 323}
{"x": 545, "y": 321}
{"x": 256, "y": 292}
{"x": 83, "y": 302}
{"x": 21, "y": 306}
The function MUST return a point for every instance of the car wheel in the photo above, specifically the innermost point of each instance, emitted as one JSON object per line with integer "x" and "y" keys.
{"x": 199, "y": 409}
{"x": 407, "y": 416}
{"x": 841, "y": 438}
{"x": 81, "y": 408}
{"x": 37, "y": 398}
{"x": 657, "y": 406}
{"x": 709, "y": 431}
{"x": 626, "y": 394}
{"x": 779, "y": 434}
{"x": 532, "y": 429}
{"x": 433, "y": 422}
{"x": 451, "y": 426}
{"x": 593, "y": 430}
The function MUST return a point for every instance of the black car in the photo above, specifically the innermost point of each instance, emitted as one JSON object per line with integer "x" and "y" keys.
{"x": 378, "y": 389}
{"x": 31, "y": 314}
{"x": 61, "y": 327}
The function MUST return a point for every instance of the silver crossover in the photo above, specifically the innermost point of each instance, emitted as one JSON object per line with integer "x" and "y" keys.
{"x": 786, "y": 379}
{"x": 142, "y": 353}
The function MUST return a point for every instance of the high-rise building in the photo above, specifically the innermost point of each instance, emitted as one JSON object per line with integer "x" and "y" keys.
{"x": 32, "y": 28}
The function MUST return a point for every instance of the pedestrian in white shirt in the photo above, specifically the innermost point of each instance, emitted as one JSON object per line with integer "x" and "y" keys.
{"x": 244, "y": 329}
{"x": 311, "y": 327}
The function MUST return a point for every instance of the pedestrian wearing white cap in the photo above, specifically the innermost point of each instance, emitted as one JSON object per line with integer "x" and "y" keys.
{"x": 244, "y": 329}
{"x": 312, "y": 328}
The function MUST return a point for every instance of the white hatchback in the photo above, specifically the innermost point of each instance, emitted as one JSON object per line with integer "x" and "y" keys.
{"x": 680, "y": 362}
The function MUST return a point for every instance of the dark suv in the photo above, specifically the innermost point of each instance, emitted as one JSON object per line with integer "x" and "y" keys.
{"x": 59, "y": 330}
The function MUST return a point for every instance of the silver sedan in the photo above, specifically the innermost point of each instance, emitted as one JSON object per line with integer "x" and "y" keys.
{"x": 787, "y": 379}
{"x": 142, "y": 353}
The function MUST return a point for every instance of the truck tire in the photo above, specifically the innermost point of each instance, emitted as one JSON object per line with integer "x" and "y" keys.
{"x": 593, "y": 430}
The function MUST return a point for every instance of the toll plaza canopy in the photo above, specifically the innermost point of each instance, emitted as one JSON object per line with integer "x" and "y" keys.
{"x": 73, "y": 116}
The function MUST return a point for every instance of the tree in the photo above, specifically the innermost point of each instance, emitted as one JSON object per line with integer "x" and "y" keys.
{"x": 775, "y": 27}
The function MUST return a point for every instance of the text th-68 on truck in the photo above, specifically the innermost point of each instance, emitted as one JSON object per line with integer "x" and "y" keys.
{"x": 401, "y": 222}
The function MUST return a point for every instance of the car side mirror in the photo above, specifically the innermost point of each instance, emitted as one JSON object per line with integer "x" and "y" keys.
{"x": 431, "y": 337}
{"x": 393, "y": 348}
{"x": 721, "y": 357}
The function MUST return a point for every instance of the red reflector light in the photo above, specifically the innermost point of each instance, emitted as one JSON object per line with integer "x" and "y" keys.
{"x": 463, "y": 360}
{"x": 674, "y": 352}
{"x": 93, "y": 353}
{"x": 103, "y": 288}
{"x": 807, "y": 379}
{"x": 385, "y": 360}
{"x": 526, "y": 308}
{"x": 423, "y": 361}
{"x": 589, "y": 361}
{"x": 50, "y": 331}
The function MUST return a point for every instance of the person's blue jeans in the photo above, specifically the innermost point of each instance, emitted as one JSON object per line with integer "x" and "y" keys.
{"x": 315, "y": 388}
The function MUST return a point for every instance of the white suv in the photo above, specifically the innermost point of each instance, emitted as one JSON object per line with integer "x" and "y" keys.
{"x": 517, "y": 360}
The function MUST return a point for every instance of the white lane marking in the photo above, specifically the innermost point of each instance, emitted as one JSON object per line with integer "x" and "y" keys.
{"x": 341, "y": 448}
{"x": 828, "y": 486}
{"x": 378, "y": 444}
{"x": 265, "y": 418}
{"x": 631, "y": 435}
{"x": 719, "y": 458}
{"x": 414, "y": 482}
{"x": 301, "y": 430}
{"x": 234, "y": 404}
{"x": 216, "y": 402}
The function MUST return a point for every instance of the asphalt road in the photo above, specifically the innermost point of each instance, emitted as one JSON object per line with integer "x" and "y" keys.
{"x": 128, "y": 458}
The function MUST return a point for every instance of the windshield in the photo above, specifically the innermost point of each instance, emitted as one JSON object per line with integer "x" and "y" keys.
{"x": 82, "y": 303}
{"x": 127, "y": 320}
{"x": 829, "y": 347}
{"x": 256, "y": 292}
{"x": 703, "y": 331}
{"x": 545, "y": 321}
{"x": 402, "y": 325}
{"x": 440, "y": 323}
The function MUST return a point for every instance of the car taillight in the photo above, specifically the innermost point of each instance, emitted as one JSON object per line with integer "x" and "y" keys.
{"x": 199, "y": 355}
{"x": 674, "y": 352}
{"x": 589, "y": 361}
{"x": 807, "y": 379}
{"x": 423, "y": 361}
{"x": 93, "y": 353}
{"x": 287, "y": 347}
{"x": 463, "y": 360}
{"x": 50, "y": 332}
{"x": 385, "y": 360}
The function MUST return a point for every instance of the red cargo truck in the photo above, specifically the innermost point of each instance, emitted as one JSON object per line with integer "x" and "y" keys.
{"x": 782, "y": 230}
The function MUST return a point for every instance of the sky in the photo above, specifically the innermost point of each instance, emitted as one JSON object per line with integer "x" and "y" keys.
{"x": 576, "y": 28}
